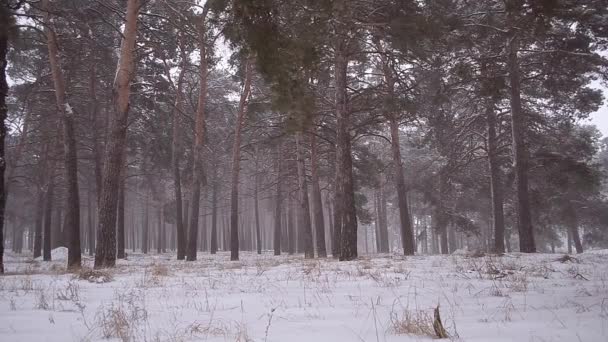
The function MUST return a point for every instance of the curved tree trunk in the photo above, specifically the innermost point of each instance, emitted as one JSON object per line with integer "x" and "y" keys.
{"x": 304, "y": 213}
{"x": 105, "y": 255}
{"x": 236, "y": 163}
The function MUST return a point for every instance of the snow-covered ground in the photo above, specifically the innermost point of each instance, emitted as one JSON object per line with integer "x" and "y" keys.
{"x": 287, "y": 299}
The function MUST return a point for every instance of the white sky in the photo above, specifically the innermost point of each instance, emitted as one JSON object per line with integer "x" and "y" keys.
{"x": 600, "y": 118}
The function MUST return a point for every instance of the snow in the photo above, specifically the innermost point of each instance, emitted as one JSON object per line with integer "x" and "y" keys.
{"x": 516, "y": 297}
{"x": 68, "y": 109}
{"x": 57, "y": 254}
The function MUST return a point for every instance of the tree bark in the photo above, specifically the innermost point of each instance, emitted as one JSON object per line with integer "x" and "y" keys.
{"x": 347, "y": 224}
{"x": 145, "y": 226}
{"x": 120, "y": 222}
{"x": 383, "y": 220}
{"x": 304, "y": 212}
{"x": 236, "y": 160}
{"x": 256, "y": 208}
{"x": 91, "y": 236}
{"x": 106, "y": 236}
{"x": 214, "y": 190}
{"x": 38, "y": 224}
{"x": 573, "y": 229}
{"x": 277, "y": 208}
{"x": 5, "y": 18}
{"x": 495, "y": 181}
{"x": 520, "y": 150}
{"x": 72, "y": 215}
{"x": 199, "y": 141}
{"x": 316, "y": 198}
{"x": 48, "y": 214}
{"x": 407, "y": 236}
{"x": 175, "y": 161}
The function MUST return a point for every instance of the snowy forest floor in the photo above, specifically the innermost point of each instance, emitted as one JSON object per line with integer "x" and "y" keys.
{"x": 514, "y": 297}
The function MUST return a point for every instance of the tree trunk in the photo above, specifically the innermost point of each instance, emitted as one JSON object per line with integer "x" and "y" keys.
{"x": 175, "y": 160}
{"x": 407, "y": 236}
{"x": 214, "y": 186}
{"x": 495, "y": 181}
{"x": 304, "y": 212}
{"x": 91, "y": 236}
{"x": 159, "y": 229}
{"x": 256, "y": 208}
{"x": 383, "y": 220}
{"x": 38, "y": 224}
{"x": 347, "y": 224}
{"x": 520, "y": 151}
{"x": 48, "y": 215}
{"x": 236, "y": 160}
{"x": 145, "y": 227}
{"x": 199, "y": 140}
{"x": 277, "y": 208}
{"x": 105, "y": 255}
{"x": 5, "y": 18}
{"x": 72, "y": 215}
{"x": 316, "y": 198}
{"x": 573, "y": 229}
{"x": 291, "y": 231}
{"x": 120, "y": 222}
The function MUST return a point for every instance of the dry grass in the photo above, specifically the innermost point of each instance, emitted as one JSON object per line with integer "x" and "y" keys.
{"x": 95, "y": 276}
{"x": 410, "y": 322}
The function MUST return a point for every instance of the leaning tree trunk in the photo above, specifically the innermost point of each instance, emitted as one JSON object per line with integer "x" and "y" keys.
{"x": 72, "y": 214}
{"x": 407, "y": 235}
{"x": 316, "y": 198}
{"x": 105, "y": 255}
{"x": 236, "y": 160}
{"x": 277, "y": 209}
{"x": 347, "y": 225}
{"x": 304, "y": 213}
{"x": 495, "y": 183}
{"x": 520, "y": 151}
{"x": 199, "y": 140}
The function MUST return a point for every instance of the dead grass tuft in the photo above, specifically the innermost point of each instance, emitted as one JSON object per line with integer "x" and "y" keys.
{"x": 411, "y": 322}
{"x": 95, "y": 276}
